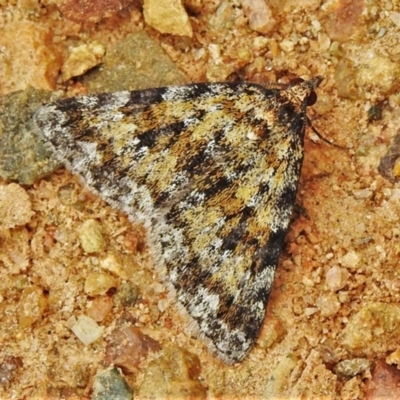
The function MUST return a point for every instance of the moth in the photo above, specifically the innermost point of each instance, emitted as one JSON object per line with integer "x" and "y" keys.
{"x": 212, "y": 171}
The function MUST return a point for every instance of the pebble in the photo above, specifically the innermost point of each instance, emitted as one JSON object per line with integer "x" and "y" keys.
{"x": 126, "y": 347}
{"x": 287, "y": 45}
{"x": 152, "y": 67}
{"x": 98, "y": 283}
{"x": 15, "y": 206}
{"x": 24, "y": 156}
{"x": 350, "y": 260}
{"x": 81, "y": 59}
{"x": 395, "y": 18}
{"x": 9, "y": 366}
{"x": 110, "y": 384}
{"x": 29, "y": 57}
{"x": 91, "y": 11}
{"x": 350, "y": 368}
{"x": 167, "y": 17}
{"x": 374, "y": 329}
{"x": 85, "y": 328}
{"x": 174, "y": 375}
{"x": 91, "y": 237}
{"x": 259, "y": 15}
{"x": 99, "y": 308}
{"x": 32, "y": 306}
{"x": 124, "y": 266}
{"x": 384, "y": 383}
{"x": 127, "y": 294}
{"x": 336, "y": 278}
{"x": 328, "y": 304}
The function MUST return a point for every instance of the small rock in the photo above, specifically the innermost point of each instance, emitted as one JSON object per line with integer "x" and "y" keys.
{"x": 127, "y": 294}
{"x": 350, "y": 368}
{"x": 373, "y": 330}
{"x": 91, "y": 11}
{"x": 99, "y": 283}
{"x": 259, "y": 15}
{"x": 372, "y": 71}
{"x": 81, "y": 59}
{"x": 336, "y": 278}
{"x": 152, "y": 67}
{"x": 91, "y": 237}
{"x": 394, "y": 358}
{"x": 316, "y": 381}
{"x": 363, "y": 193}
{"x": 68, "y": 194}
{"x": 384, "y": 383}
{"x": 24, "y": 155}
{"x": 328, "y": 304}
{"x": 272, "y": 333}
{"x": 395, "y": 17}
{"x": 375, "y": 112}
{"x": 175, "y": 374}
{"x": 31, "y": 306}
{"x": 16, "y": 252}
{"x": 15, "y": 206}
{"x": 99, "y": 308}
{"x": 124, "y": 266}
{"x": 126, "y": 347}
{"x": 379, "y": 72}
{"x": 167, "y": 17}
{"x": 329, "y": 353}
{"x": 345, "y": 19}
{"x": 350, "y": 260}
{"x": 28, "y": 60}
{"x": 351, "y": 389}
{"x": 85, "y": 328}
{"x": 345, "y": 80}
{"x": 223, "y": 20}
{"x": 279, "y": 377}
{"x": 9, "y": 366}
{"x": 109, "y": 385}
{"x": 287, "y": 45}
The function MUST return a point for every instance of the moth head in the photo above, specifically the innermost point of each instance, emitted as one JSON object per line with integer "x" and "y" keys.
{"x": 314, "y": 83}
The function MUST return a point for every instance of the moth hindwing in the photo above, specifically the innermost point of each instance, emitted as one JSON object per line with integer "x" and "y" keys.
{"x": 212, "y": 170}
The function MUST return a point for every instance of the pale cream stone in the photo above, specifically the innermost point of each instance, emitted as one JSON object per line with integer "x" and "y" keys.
{"x": 167, "y": 16}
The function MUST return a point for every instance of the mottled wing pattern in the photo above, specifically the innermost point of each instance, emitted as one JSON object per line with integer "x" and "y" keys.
{"x": 212, "y": 170}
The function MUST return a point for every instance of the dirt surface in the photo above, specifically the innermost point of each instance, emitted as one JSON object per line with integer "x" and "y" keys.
{"x": 64, "y": 253}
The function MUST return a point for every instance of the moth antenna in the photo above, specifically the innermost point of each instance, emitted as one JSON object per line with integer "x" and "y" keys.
{"x": 323, "y": 138}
